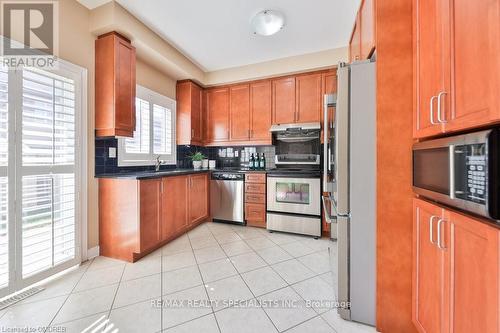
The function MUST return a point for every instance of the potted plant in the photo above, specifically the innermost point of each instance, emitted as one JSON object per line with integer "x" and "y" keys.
{"x": 197, "y": 158}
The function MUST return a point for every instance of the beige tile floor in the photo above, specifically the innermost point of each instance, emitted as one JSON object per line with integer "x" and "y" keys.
{"x": 197, "y": 277}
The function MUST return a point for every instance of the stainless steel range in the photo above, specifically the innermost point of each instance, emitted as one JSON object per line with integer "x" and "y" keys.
{"x": 294, "y": 186}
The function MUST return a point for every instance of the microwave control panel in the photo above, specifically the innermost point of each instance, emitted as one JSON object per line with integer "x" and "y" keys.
{"x": 476, "y": 173}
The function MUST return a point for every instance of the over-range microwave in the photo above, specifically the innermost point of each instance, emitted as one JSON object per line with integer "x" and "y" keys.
{"x": 461, "y": 171}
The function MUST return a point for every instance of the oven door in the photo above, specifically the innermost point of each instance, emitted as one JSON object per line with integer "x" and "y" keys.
{"x": 294, "y": 195}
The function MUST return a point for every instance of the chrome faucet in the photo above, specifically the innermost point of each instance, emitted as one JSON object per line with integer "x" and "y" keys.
{"x": 158, "y": 163}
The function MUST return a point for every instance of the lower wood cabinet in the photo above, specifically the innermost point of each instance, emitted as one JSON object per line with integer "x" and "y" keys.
{"x": 198, "y": 198}
{"x": 138, "y": 216}
{"x": 175, "y": 206}
{"x": 255, "y": 199}
{"x": 456, "y": 271}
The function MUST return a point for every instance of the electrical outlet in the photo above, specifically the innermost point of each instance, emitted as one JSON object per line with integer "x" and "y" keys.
{"x": 112, "y": 152}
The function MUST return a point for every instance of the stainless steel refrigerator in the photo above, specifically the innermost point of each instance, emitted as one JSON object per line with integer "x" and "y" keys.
{"x": 350, "y": 180}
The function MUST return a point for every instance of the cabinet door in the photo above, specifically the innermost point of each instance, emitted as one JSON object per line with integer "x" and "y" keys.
{"x": 239, "y": 109}
{"x": 367, "y": 13}
{"x": 125, "y": 86}
{"x": 198, "y": 197}
{"x": 218, "y": 115}
{"x": 473, "y": 274}
{"x": 308, "y": 98}
{"x": 474, "y": 38}
{"x": 174, "y": 206}
{"x": 150, "y": 213}
{"x": 355, "y": 43}
{"x": 196, "y": 120}
{"x": 428, "y": 262}
{"x": 260, "y": 106}
{"x": 429, "y": 66}
{"x": 284, "y": 101}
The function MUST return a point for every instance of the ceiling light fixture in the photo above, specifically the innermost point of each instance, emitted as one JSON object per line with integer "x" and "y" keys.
{"x": 267, "y": 22}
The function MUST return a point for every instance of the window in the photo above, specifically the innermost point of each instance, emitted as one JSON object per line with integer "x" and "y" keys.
{"x": 154, "y": 133}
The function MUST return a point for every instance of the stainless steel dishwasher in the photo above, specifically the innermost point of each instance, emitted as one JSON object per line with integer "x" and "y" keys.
{"x": 226, "y": 197}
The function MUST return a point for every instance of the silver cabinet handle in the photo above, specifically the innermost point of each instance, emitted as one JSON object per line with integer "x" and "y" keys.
{"x": 442, "y": 247}
{"x": 441, "y": 119}
{"x": 431, "y": 108}
{"x": 431, "y": 228}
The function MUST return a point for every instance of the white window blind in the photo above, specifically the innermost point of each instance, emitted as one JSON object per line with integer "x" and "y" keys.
{"x": 48, "y": 184}
{"x": 155, "y": 131}
{"x": 139, "y": 144}
{"x": 4, "y": 185}
{"x": 162, "y": 129}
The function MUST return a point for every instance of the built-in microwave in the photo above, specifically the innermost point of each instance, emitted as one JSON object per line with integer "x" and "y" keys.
{"x": 461, "y": 171}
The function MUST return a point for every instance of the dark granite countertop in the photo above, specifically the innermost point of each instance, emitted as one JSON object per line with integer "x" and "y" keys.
{"x": 166, "y": 173}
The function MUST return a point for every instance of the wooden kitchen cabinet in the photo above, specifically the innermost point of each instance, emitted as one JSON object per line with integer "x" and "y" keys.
{"x": 472, "y": 275}
{"x": 367, "y": 33}
{"x": 150, "y": 213}
{"x": 428, "y": 279}
{"x": 355, "y": 41}
{"x": 198, "y": 198}
{"x": 255, "y": 199}
{"x": 455, "y": 90}
{"x": 175, "y": 209}
{"x": 139, "y": 216}
{"x": 283, "y": 95}
{"x": 456, "y": 271}
{"x": 189, "y": 113}
{"x": 362, "y": 42}
{"x": 260, "y": 115}
{"x": 239, "y": 109}
{"x": 115, "y": 62}
{"x": 309, "y": 98}
{"x": 217, "y": 104}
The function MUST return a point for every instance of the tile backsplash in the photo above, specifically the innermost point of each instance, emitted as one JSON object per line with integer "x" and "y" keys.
{"x": 226, "y": 157}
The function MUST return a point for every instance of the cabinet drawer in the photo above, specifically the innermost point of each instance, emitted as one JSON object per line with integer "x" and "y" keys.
{"x": 255, "y": 188}
{"x": 255, "y": 212}
{"x": 255, "y": 178}
{"x": 255, "y": 198}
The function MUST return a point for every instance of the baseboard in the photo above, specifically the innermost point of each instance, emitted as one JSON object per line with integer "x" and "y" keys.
{"x": 93, "y": 252}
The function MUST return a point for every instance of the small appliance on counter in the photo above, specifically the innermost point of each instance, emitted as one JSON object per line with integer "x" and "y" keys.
{"x": 461, "y": 171}
{"x": 294, "y": 186}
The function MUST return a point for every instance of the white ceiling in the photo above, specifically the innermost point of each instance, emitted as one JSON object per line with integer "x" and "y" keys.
{"x": 217, "y": 34}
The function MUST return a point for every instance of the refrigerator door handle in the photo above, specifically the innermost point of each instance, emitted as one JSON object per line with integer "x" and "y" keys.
{"x": 328, "y": 215}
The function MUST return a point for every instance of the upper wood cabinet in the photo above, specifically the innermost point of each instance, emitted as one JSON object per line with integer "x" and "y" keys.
{"x": 239, "y": 109}
{"x": 114, "y": 86}
{"x": 355, "y": 42}
{"x": 284, "y": 109}
{"x": 367, "y": 17}
{"x": 457, "y": 73}
{"x": 217, "y": 101}
{"x": 309, "y": 98}
{"x": 260, "y": 115}
{"x": 189, "y": 113}
{"x": 456, "y": 272}
{"x": 362, "y": 43}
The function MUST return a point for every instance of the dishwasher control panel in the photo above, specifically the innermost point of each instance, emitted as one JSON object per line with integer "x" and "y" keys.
{"x": 228, "y": 176}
